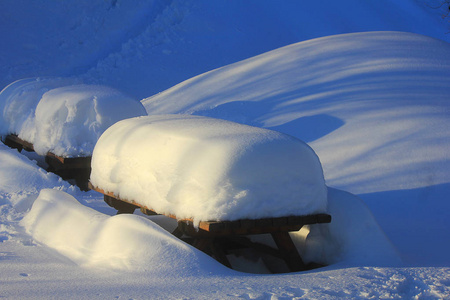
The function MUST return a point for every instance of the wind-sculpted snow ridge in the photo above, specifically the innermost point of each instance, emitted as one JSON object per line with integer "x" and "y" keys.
{"x": 146, "y": 46}
{"x": 56, "y": 115}
{"x": 124, "y": 242}
{"x": 369, "y": 104}
{"x": 208, "y": 169}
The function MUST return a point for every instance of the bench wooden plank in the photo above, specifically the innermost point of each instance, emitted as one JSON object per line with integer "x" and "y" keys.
{"x": 221, "y": 228}
{"x": 15, "y": 142}
{"x": 78, "y": 168}
{"x": 65, "y": 163}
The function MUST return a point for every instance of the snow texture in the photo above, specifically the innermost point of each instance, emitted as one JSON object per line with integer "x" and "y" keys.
{"x": 61, "y": 118}
{"x": 208, "y": 169}
{"x": 124, "y": 242}
{"x": 69, "y": 120}
{"x": 18, "y": 102}
{"x": 373, "y": 105}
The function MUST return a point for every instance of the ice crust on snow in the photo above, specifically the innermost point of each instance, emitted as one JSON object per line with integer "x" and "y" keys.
{"x": 62, "y": 118}
{"x": 208, "y": 169}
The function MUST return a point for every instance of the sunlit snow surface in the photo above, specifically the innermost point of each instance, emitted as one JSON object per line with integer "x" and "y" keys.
{"x": 208, "y": 169}
{"x": 56, "y": 115}
{"x": 372, "y": 106}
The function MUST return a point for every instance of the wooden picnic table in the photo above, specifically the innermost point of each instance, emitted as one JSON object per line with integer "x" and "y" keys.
{"x": 217, "y": 238}
{"x": 77, "y": 168}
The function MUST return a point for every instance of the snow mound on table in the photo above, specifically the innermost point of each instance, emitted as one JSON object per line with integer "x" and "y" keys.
{"x": 208, "y": 169}
{"x": 124, "y": 242}
{"x": 69, "y": 120}
{"x": 18, "y": 103}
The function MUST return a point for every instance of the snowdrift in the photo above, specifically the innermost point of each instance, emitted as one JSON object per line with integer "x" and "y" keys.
{"x": 64, "y": 119}
{"x": 208, "y": 169}
{"x": 374, "y": 106}
{"x": 123, "y": 242}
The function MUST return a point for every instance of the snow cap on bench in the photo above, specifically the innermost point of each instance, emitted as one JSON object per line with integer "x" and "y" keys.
{"x": 208, "y": 169}
{"x": 56, "y": 115}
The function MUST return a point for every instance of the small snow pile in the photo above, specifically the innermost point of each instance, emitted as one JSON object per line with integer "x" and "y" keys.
{"x": 353, "y": 237}
{"x": 58, "y": 116}
{"x": 69, "y": 120}
{"x": 21, "y": 180}
{"x": 125, "y": 242}
{"x": 18, "y": 103}
{"x": 208, "y": 169}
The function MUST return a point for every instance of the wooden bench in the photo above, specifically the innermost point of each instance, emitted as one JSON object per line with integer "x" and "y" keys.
{"x": 77, "y": 168}
{"x": 217, "y": 238}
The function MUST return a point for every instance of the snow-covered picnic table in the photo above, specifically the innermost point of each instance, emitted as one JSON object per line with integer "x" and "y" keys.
{"x": 217, "y": 178}
{"x": 61, "y": 120}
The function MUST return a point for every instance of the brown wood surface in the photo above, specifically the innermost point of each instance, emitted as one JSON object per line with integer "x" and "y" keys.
{"x": 14, "y": 141}
{"x": 238, "y": 227}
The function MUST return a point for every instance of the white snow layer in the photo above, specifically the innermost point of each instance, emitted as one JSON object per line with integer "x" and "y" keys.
{"x": 18, "y": 103}
{"x": 208, "y": 169}
{"x": 125, "y": 242}
{"x": 374, "y": 106}
{"x": 61, "y": 118}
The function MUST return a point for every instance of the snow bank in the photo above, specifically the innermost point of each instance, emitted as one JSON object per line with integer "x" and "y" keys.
{"x": 353, "y": 237}
{"x": 373, "y": 105}
{"x": 124, "y": 242}
{"x": 58, "y": 116}
{"x": 69, "y": 120}
{"x": 21, "y": 180}
{"x": 208, "y": 169}
{"x": 18, "y": 103}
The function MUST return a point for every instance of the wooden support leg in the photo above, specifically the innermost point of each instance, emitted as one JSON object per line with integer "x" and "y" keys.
{"x": 220, "y": 255}
{"x": 122, "y": 207}
{"x": 81, "y": 177}
{"x": 178, "y": 232}
{"x": 288, "y": 251}
{"x": 210, "y": 247}
{"x": 202, "y": 244}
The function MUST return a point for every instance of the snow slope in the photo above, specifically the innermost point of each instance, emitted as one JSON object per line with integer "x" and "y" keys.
{"x": 146, "y": 46}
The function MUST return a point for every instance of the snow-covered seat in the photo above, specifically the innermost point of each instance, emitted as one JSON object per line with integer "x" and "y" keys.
{"x": 216, "y": 177}
{"x": 62, "y": 120}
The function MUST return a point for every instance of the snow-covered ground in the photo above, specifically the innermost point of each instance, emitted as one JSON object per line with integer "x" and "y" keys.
{"x": 374, "y": 106}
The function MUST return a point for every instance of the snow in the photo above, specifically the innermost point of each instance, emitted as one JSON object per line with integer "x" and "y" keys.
{"x": 64, "y": 119}
{"x": 146, "y": 46}
{"x": 208, "y": 169}
{"x": 18, "y": 102}
{"x": 124, "y": 242}
{"x": 69, "y": 120}
{"x": 372, "y": 105}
